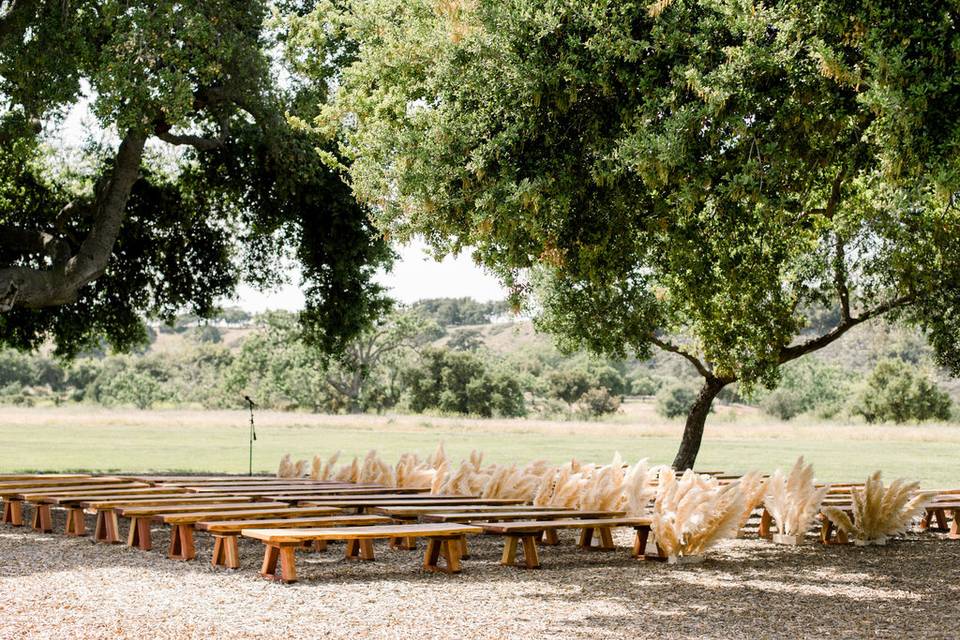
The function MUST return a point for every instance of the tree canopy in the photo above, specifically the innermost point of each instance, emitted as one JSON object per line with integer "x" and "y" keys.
{"x": 88, "y": 247}
{"x": 698, "y": 176}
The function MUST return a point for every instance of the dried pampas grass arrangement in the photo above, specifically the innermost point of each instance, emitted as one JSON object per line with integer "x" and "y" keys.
{"x": 603, "y": 489}
{"x": 753, "y": 486}
{"x": 793, "y": 501}
{"x": 692, "y": 514}
{"x": 286, "y": 467}
{"x": 880, "y": 512}
{"x": 638, "y": 489}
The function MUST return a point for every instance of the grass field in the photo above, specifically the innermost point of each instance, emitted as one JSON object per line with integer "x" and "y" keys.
{"x": 216, "y": 441}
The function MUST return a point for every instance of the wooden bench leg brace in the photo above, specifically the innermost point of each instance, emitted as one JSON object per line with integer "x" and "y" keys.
{"x": 359, "y": 550}
{"x": 288, "y": 567}
{"x": 226, "y": 552}
{"x": 76, "y": 522}
{"x": 531, "y": 557}
{"x": 449, "y": 548}
{"x": 106, "y": 528}
{"x": 13, "y": 512}
{"x": 606, "y": 539}
{"x": 181, "y": 543}
{"x": 42, "y": 521}
{"x": 139, "y": 535}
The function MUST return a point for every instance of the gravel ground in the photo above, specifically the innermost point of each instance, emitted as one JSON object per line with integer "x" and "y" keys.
{"x": 52, "y": 586}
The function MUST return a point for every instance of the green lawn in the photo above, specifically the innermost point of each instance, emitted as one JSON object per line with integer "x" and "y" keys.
{"x": 66, "y": 440}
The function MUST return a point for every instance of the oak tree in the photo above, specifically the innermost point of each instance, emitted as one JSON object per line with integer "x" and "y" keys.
{"x": 692, "y": 175}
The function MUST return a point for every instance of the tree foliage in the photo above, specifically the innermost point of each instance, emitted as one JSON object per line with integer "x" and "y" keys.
{"x": 692, "y": 176}
{"x": 131, "y": 230}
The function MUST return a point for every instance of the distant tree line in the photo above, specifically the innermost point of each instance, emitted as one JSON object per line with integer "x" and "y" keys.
{"x": 411, "y": 361}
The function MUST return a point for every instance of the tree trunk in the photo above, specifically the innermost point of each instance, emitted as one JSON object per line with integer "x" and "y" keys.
{"x": 696, "y": 419}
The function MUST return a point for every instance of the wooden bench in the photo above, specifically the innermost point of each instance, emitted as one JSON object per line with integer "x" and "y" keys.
{"x": 937, "y": 511}
{"x": 529, "y": 532}
{"x": 181, "y": 536}
{"x": 226, "y": 551}
{"x": 13, "y": 499}
{"x": 107, "y": 527}
{"x": 281, "y": 544}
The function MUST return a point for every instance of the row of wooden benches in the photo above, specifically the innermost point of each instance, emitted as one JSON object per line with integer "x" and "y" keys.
{"x": 226, "y": 516}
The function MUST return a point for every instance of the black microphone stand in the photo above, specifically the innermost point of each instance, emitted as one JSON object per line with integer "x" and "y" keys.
{"x": 253, "y": 433}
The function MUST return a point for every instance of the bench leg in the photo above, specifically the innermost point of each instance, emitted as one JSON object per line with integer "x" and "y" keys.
{"x": 42, "y": 522}
{"x": 271, "y": 553}
{"x": 319, "y": 545}
{"x": 76, "y": 522}
{"x": 640, "y": 543}
{"x": 954, "y": 525}
{"x": 941, "y": 517}
{"x": 606, "y": 539}
{"x": 181, "y": 543}
{"x": 531, "y": 557}
{"x": 13, "y": 512}
{"x": 586, "y": 538}
{"x": 550, "y": 538}
{"x": 509, "y": 557}
{"x": 360, "y": 550}
{"x": 288, "y": 565}
{"x": 464, "y": 550}
{"x": 107, "y": 527}
{"x": 765, "y": 521}
{"x": 139, "y": 535}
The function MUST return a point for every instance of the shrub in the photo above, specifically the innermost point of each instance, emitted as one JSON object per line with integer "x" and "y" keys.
{"x": 598, "y": 402}
{"x": 675, "y": 400}
{"x": 643, "y": 384}
{"x": 129, "y": 387}
{"x": 900, "y": 392}
{"x": 463, "y": 382}
{"x": 807, "y": 385}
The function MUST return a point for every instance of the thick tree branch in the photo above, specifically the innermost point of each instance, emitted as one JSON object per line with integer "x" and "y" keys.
{"x": 793, "y": 352}
{"x": 694, "y": 360}
{"x": 840, "y": 278}
{"x": 198, "y": 142}
{"x": 37, "y": 288}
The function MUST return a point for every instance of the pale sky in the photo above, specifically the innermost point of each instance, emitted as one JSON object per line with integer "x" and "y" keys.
{"x": 415, "y": 276}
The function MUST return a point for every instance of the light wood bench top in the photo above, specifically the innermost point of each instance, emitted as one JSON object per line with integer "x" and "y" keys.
{"x": 471, "y": 516}
{"x": 10, "y": 477}
{"x": 65, "y": 482}
{"x": 532, "y": 526}
{"x": 410, "y": 512}
{"x": 236, "y": 526}
{"x": 329, "y": 493}
{"x": 169, "y": 517}
{"x": 400, "y": 502}
{"x": 292, "y": 536}
{"x": 135, "y": 498}
{"x": 409, "y": 497}
{"x": 81, "y": 496}
{"x": 172, "y": 504}
{"x": 136, "y": 510}
{"x": 50, "y": 490}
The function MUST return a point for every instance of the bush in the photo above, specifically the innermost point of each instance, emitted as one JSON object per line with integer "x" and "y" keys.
{"x": 598, "y": 402}
{"x": 129, "y": 387}
{"x": 569, "y": 384}
{"x": 675, "y": 401}
{"x": 643, "y": 384}
{"x": 899, "y": 392}
{"x": 205, "y": 334}
{"x": 808, "y": 385}
{"x": 463, "y": 382}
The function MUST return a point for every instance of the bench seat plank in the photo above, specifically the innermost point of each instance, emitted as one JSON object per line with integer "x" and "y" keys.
{"x": 172, "y": 503}
{"x": 518, "y": 514}
{"x": 534, "y": 526}
{"x": 236, "y": 526}
{"x": 444, "y": 540}
{"x": 294, "y": 536}
{"x": 200, "y": 516}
